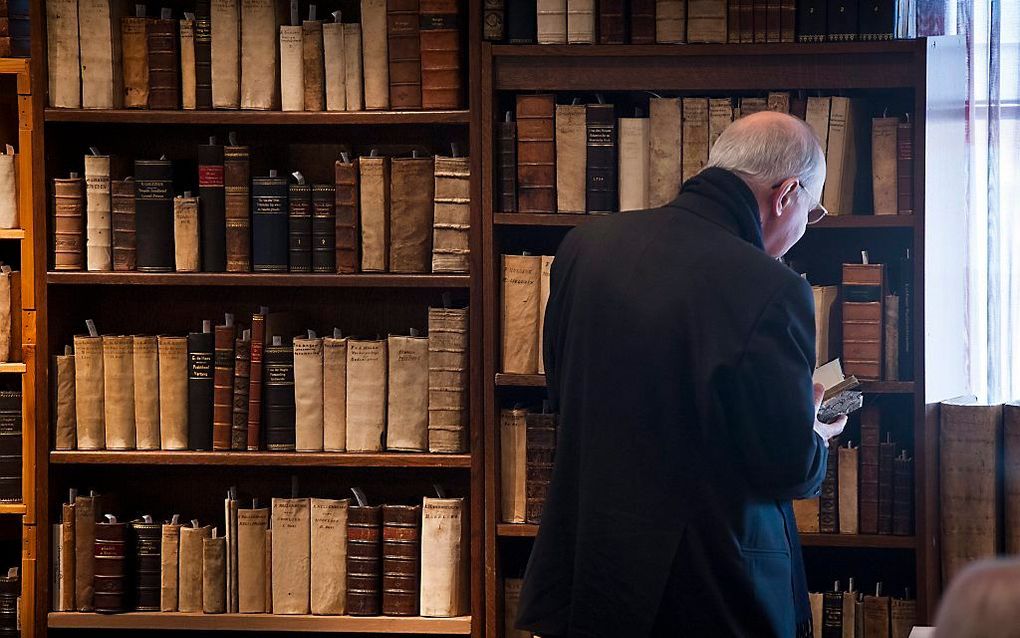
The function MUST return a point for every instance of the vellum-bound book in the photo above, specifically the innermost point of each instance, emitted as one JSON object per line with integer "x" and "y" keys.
{"x": 366, "y": 395}
{"x": 445, "y": 581}
{"x": 88, "y": 392}
{"x": 329, "y": 552}
{"x": 448, "y": 375}
{"x": 408, "y": 394}
{"x": 308, "y": 394}
{"x": 251, "y": 554}
{"x": 334, "y": 394}
{"x": 291, "y": 555}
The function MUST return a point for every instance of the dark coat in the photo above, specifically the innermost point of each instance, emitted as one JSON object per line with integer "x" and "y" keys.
{"x": 679, "y": 357}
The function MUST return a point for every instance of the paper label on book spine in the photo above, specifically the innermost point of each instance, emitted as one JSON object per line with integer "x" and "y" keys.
{"x": 99, "y": 229}
{"x": 329, "y": 547}
{"x": 291, "y": 555}
{"x": 521, "y": 292}
{"x": 292, "y": 83}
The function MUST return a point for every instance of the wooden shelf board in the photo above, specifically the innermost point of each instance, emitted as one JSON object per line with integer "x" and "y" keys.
{"x": 261, "y": 459}
{"x": 829, "y": 222}
{"x": 504, "y": 379}
{"x": 13, "y": 65}
{"x": 367, "y": 280}
{"x": 12, "y": 508}
{"x": 13, "y": 368}
{"x": 516, "y": 530}
{"x": 860, "y": 541}
{"x": 238, "y": 117}
{"x": 538, "y": 381}
{"x": 260, "y": 622}
{"x": 12, "y": 233}
{"x": 700, "y": 50}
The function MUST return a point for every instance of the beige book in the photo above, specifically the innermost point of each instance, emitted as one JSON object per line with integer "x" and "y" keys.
{"x": 752, "y": 105}
{"x": 511, "y": 603}
{"x": 695, "y": 154}
{"x": 291, "y": 555}
{"x": 817, "y": 117}
{"x": 448, "y": 376}
{"x": 451, "y": 224}
{"x": 903, "y": 617}
{"x": 251, "y": 557}
{"x": 513, "y": 464}
{"x": 329, "y": 547}
{"x": 778, "y": 101}
{"x": 847, "y": 484}
{"x": 883, "y": 165}
{"x": 186, "y": 235}
{"x": 258, "y": 54}
{"x": 374, "y": 190}
{"x": 168, "y": 566}
{"x": 98, "y": 228}
{"x": 551, "y": 21}
{"x": 188, "y": 70}
{"x": 891, "y": 338}
{"x": 817, "y": 602}
{"x": 173, "y": 392}
{"x": 407, "y": 403}
{"x": 375, "y": 56}
{"x": 269, "y": 571}
{"x": 7, "y": 282}
{"x": 670, "y": 21}
{"x": 190, "y": 557}
{"x": 366, "y": 395}
{"x": 292, "y": 69}
{"x": 841, "y": 158}
{"x": 706, "y": 21}
{"x": 335, "y": 57}
{"x": 66, "y": 421}
{"x": 119, "y": 392}
{"x": 226, "y": 62}
{"x": 66, "y": 583}
{"x": 412, "y": 190}
{"x": 9, "y": 188}
{"x": 543, "y": 301}
{"x": 664, "y": 162}
{"x": 334, "y": 394}
{"x": 308, "y": 394}
{"x": 62, "y": 53}
{"x": 805, "y": 511}
{"x": 135, "y": 62}
{"x": 84, "y": 552}
{"x": 571, "y": 158}
{"x": 827, "y": 324}
{"x": 580, "y": 21}
{"x": 445, "y": 582}
{"x": 720, "y": 115}
{"x": 146, "y": 383}
{"x": 354, "y": 72}
{"x": 521, "y": 297}
{"x": 214, "y": 581}
{"x": 633, "y": 162}
{"x": 850, "y": 619}
{"x": 88, "y": 392}
{"x": 99, "y": 21}
{"x": 311, "y": 48}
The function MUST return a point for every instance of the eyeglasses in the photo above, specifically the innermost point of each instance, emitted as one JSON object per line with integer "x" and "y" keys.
{"x": 816, "y": 213}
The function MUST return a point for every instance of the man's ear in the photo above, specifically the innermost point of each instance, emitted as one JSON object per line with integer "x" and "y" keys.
{"x": 783, "y": 196}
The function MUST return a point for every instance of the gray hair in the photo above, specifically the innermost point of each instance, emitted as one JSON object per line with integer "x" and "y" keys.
{"x": 766, "y": 148}
{"x": 982, "y": 602}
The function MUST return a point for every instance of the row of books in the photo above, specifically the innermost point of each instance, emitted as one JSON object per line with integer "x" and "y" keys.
{"x": 378, "y": 214}
{"x": 690, "y": 21}
{"x": 8, "y": 188}
{"x": 576, "y": 158}
{"x": 852, "y": 614}
{"x": 241, "y": 54}
{"x": 300, "y": 556}
{"x": 525, "y": 296}
{"x": 233, "y": 389}
{"x": 866, "y": 490}
{"x": 15, "y": 29}
{"x": 527, "y": 441}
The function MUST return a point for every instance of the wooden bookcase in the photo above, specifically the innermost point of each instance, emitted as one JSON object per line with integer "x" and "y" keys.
{"x": 911, "y": 75}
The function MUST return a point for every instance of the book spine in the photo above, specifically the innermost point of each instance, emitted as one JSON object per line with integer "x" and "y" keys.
{"x": 313, "y": 65}
{"x": 366, "y": 395}
{"x": 154, "y": 214}
{"x": 279, "y": 397}
{"x": 761, "y": 20}
{"x": 906, "y": 293}
{"x": 201, "y": 348}
{"x": 299, "y": 227}
{"x": 602, "y": 180}
{"x": 84, "y": 553}
{"x": 541, "y": 449}
{"x": 405, "y": 60}
{"x": 147, "y": 539}
{"x": 868, "y": 496}
{"x": 507, "y": 166}
{"x": 451, "y": 244}
{"x": 773, "y": 21}
{"x": 448, "y": 375}
{"x": 212, "y": 198}
{"x": 746, "y": 11}
{"x": 324, "y": 228}
{"x": 364, "y": 560}
{"x": 494, "y": 21}
{"x": 536, "y": 154}
{"x": 68, "y": 223}
{"x": 269, "y": 224}
{"x": 10, "y": 446}
{"x": 292, "y": 73}
{"x": 354, "y": 70}
{"x": 203, "y": 62}
{"x": 334, "y": 49}
{"x": 63, "y": 59}
{"x": 412, "y": 185}
{"x": 441, "y": 55}
{"x": 375, "y": 54}
{"x": 612, "y": 22}
{"x": 877, "y": 20}
{"x": 259, "y": 88}
{"x": 642, "y": 21}
{"x": 173, "y": 392}
{"x": 828, "y": 508}
{"x": 164, "y": 64}
{"x": 97, "y": 220}
{"x": 903, "y": 496}
{"x": 551, "y": 21}
{"x": 242, "y": 384}
{"x": 670, "y": 21}
{"x": 521, "y": 25}
{"x": 444, "y": 546}
{"x": 258, "y": 340}
{"x": 225, "y": 49}
{"x": 832, "y": 614}
{"x": 135, "y": 63}
{"x": 347, "y": 217}
{"x": 842, "y": 20}
{"x": 863, "y": 318}
{"x": 146, "y": 397}
{"x": 408, "y": 394}
{"x": 187, "y": 44}
{"x": 812, "y": 20}
{"x": 733, "y": 21}
{"x": 375, "y": 213}
{"x": 223, "y": 386}
{"x": 905, "y": 168}
{"x": 581, "y": 22}
{"x": 788, "y": 20}
{"x": 124, "y": 243}
{"x": 401, "y": 559}
{"x": 237, "y": 201}
{"x": 187, "y": 235}
{"x": 886, "y": 457}
{"x": 706, "y": 21}
{"x": 110, "y": 573}
{"x": 308, "y": 397}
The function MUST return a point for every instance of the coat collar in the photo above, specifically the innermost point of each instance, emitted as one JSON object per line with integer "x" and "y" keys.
{"x": 722, "y": 198}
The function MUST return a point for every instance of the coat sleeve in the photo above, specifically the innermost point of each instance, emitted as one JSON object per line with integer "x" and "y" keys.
{"x": 768, "y": 402}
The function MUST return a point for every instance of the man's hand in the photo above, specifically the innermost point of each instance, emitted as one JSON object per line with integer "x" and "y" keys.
{"x": 826, "y": 430}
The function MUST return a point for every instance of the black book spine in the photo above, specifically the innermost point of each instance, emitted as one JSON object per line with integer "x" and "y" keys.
{"x": 906, "y": 319}
{"x": 299, "y": 227}
{"x": 203, "y": 57}
{"x": 147, "y": 541}
{"x": 828, "y": 512}
{"x": 886, "y": 459}
{"x": 494, "y": 23}
{"x": 200, "y": 390}
{"x": 324, "y": 228}
{"x": 812, "y": 20}
{"x": 521, "y": 21}
{"x": 269, "y": 224}
{"x": 832, "y": 614}
{"x": 213, "y": 203}
{"x": 903, "y": 496}
{"x": 10, "y": 446}
{"x": 10, "y": 590}
{"x": 877, "y": 20}
{"x": 154, "y": 215}
{"x": 842, "y": 20}
{"x": 507, "y": 140}
{"x": 20, "y": 28}
{"x": 602, "y": 164}
{"x": 278, "y": 390}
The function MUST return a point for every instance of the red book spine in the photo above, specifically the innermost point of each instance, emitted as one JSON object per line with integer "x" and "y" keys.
{"x": 258, "y": 339}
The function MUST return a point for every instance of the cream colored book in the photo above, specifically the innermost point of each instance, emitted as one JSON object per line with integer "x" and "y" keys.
{"x": 99, "y": 21}
{"x": 8, "y": 188}
{"x": 169, "y": 564}
{"x": 827, "y": 323}
{"x": 146, "y": 382}
{"x": 226, "y": 54}
{"x": 334, "y": 394}
{"x": 291, "y": 555}
{"x": 841, "y": 158}
{"x": 665, "y": 153}
{"x": 188, "y": 87}
{"x": 445, "y": 581}
{"x": 817, "y": 117}
{"x": 571, "y": 157}
{"x": 308, "y": 394}
{"x": 292, "y": 70}
{"x": 581, "y": 21}
{"x": 551, "y": 21}
{"x": 695, "y": 154}
{"x": 375, "y": 54}
{"x": 258, "y": 54}
{"x": 98, "y": 221}
{"x": 407, "y": 401}
{"x": 335, "y": 56}
{"x": 778, "y": 101}
{"x": 633, "y": 163}
{"x": 521, "y": 300}
{"x": 883, "y": 165}
{"x": 366, "y": 395}
{"x": 354, "y": 73}
{"x": 189, "y": 579}
{"x": 119, "y": 392}
{"x": 63, "y": 53}
{"x": 513, "y": 464}
{"x": 847, "y": 485}
{"x": 88, "y": 392}
{"x": 543, "y": 301}
{"x": 329, "y": 550}
{"x": 720, "y": 115}
{"x": 251, "y": 557}
{"x": 173, "y": 392}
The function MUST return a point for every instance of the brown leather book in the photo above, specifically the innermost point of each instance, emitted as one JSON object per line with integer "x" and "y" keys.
{"x": 773, "y": 21}
{"x": 905, "y": 168}
{"x": 847, "y": 489}
{"x": 164, "y": 64}
{"x": 347, "y": 233}
{"x": 886, "y": 456}
{"x": 876, "y": 616}
{"x": 864, "y": 293}
{"x": 642, "y": 21}
{"x": 536, "y": 154}
{"x": 828, "y": 504}
{"x": 223, "y": 386}
{"x": 203, "y": 62}
{"x": 313, "y": 65}
{"x": 123, "y": 205}
{"x": 451, "y": 246}
{"x": 891, "y": 338}
{"x": 869, "y": 469}
{"x": 494, "y": 20}
{"x": 746, "y": 11}
{"x": 146, "y": 541}
{"x": 242, "y": 384}
{"x": 258, "y": 342}
{"x": 110, "y": 569}
{"x": 706, "y": 21}
{"x": 670, "y": 21}
{"x": 787, "y": 20}
{"x": 448, "y": 377}
{"x": 68, "y": 223}
{"x": 237, "y": 189}
{"x": 402, "y": 30}
{"x": 903, "y": 497}
{"x": 733, "y": 21}
{"x": 541, "y": 448}
{"x": 364, "y": 560}
{"x": 401, "y": 559}
{"x": 441, "y": 72}
{"x": 506, "y": 168}
{"x": 903, "y": 617}
{"x": 612, "y": 22}
{"x": 1011, "y": 476}
{"x": 761, "y": 15}
{"x": 412, "y": 186}
{"x": 84, "y": 552}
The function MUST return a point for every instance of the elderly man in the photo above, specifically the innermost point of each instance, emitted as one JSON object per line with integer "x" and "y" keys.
{"x": 679, "y": 353}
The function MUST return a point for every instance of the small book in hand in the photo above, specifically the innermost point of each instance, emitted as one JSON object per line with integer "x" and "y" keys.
{"x": 840, "y": 396}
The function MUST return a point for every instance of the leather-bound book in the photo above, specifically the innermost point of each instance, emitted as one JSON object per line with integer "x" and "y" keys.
{"x": 520, "y": 21}
{"x": 187, "y": 234}
{"x": 787, "y": 20}
{"x": 10, "y": 598}
{"x": 375, "y": 55}
{"x": 903, "y": 500}
{"x": 536, "y": 154}
{"x": 451, "y": 243}
{"x": 66, "y": 578}
{"x": 354, "y": 72}
{"x": 581, "y": 22}
{"x": 441, "y": 55}
{"x": 601, "y": 169}
{"x": 551, "y": 21}
{"x": 969, "y": 458}
{"x": 223, "y": 385}
{"x": 863, "y": 296}
{"x": 366, "y": 395}
{"x": 511, "y": 603}
{"x": 842, "y": 20}
{"x": 88, "y": 392}
{"x": 642, "y": 21}
{"x": 347, "y": 232}
{"x": 323, "y": 228}
{"x": 146, "y": 540}
{"x": 869, "y": 470}
{"x": 97, "y": 221}
{"x": 279, "y": 409}
{"x": 214, "y": 590}
{"x": 905, "y": 168}
{"x": 720, "y": 115}
{"x": 237, "y": 200}
{"x": 891, "y": 338}
{"x": 164, "y": 64}
{"x": 334, "y": 50}
{"x": 201, "y": 348}
{"x": 695, "y": 136}
{"x": 68, "y": 226}
{"x": 444, "y": 554}
{"x": 334, "y": 394}
{"x": 187, "y": 44}
{"x": 169, "y": 560}
{"x": 269, "y": 224}
{"x": 308, "y": 394}
{"x": 876, "y": 616}
{"x": 119, "y": 392}
{"x": 571, "y": 157}
{"x": 173, "y": 392}
{"x": 10, "y": 446}
{"x": 190, "y": 573}
{"x": 903, "y": 617}
{"x": 841, "y": 157}
{"x": 1011, "y": 475}
{"x": 448, "y": 375}
{"x": 521, "y": 288}
{"x": 665, "y": 150}
{"x": 746, "y": 16}
{"x": 258, "y": 55}
{"x": 761, "y": 19}
{"x": 513, "y": 464}
{"x": 146, "y": 380}
{"x": 412, "y": 185}
{"x": 633, "y": 170}
{"x": 828, "y": 504}
{"x": 832, "y": 613}
{"x": 375, "y": 213}
{"x": 123, "y": 207}
{"x": 877, "y": 20}
{"x": 733, "y": 21}
{"x": 203, "y": 60}
{"x": 329, "y": 556}
{"x": 313, "y": 65}
{"x": 494, "y": 21}
{"x": 62, "y": 53}
{"x": 847, "y": 489}
{"x": 299, "y": 227}
{"x": 84, "y": 552}
{"x": 212, "y": 198}
{"x": 612, "y": 22}
{"x": 402, "y": 22}
{"x": 258, "y": 343}
{"x": 407, "y": 403}
{"x": 110, "y": 568}
{"x": 226, "y": 62}
{"x": 242, "y": 383}
{"x": 65, "y": 421}
{"x": 291, "y": 555}
{"x": 292, "y": 73}
{"x": 401, "y": 563}
{"x": 541, "y": 448}
{"x": 100, "y": 53}
{"x": 827, "y": 323}
{"x": 154, "y": 215}
{"x": 883, "y": 165}
{"x": 506, "y": 165}
{"x": 706, "y": 21}
{"x": 364, "y": 560}
{"x": 812, "y": 20}
{"x": 806, "y": 514}
{"x": 773, "y": 21}
{"x": 251, "y": 552}
{"x": 670, "y": 21}
{"x": 135, "y": 53}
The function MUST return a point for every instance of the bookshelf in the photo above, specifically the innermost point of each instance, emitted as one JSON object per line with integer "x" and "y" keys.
{"x": 905, "y": 72}
{"x": 138, "y": 621}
